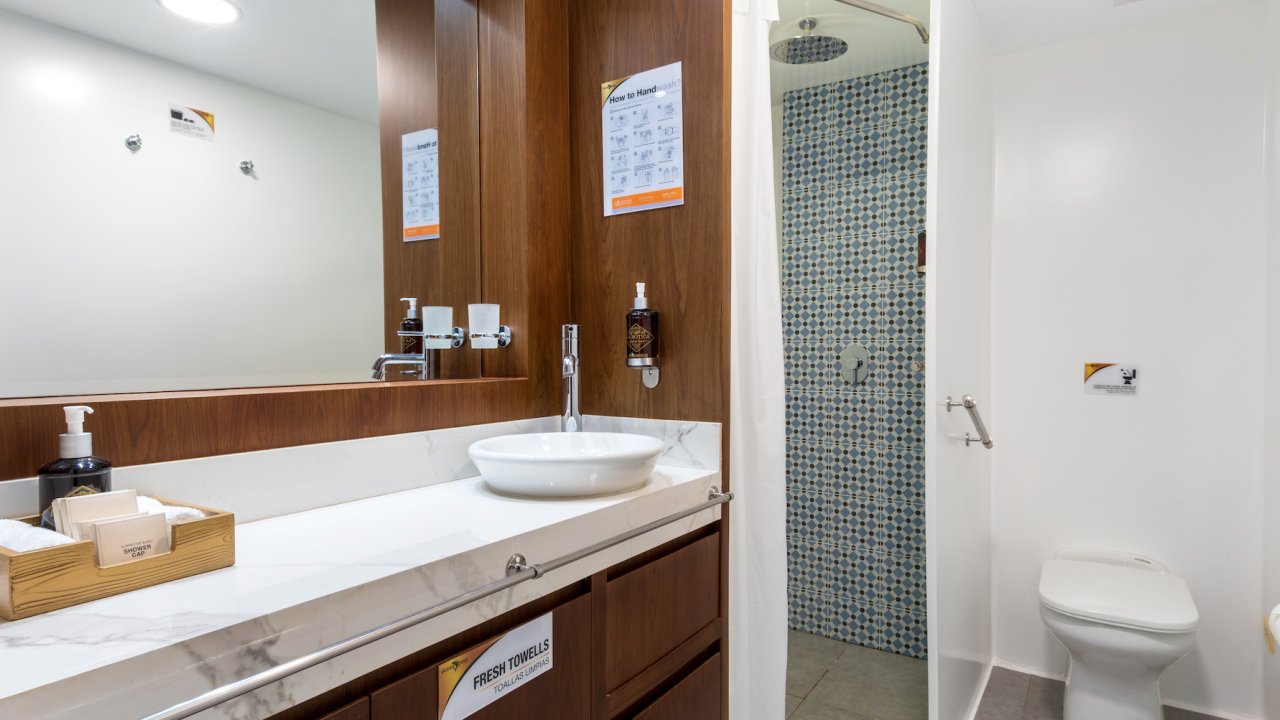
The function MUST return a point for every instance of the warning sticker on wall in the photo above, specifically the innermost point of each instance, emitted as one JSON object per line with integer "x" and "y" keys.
{"x": 494, "y": 669}
{"x": 191, "y": 122}
{"x": 1116, "y": 379}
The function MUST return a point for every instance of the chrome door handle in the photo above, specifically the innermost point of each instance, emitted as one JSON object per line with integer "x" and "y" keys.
{"x": 968, "y": 403}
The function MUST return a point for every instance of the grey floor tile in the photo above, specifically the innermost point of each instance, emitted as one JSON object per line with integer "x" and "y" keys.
{"x": 793, "y": 702}
{"x": 808, "y": 657}
{"x": 1012, "y": 695}
{"x": 1005, "y": 695}
{"x": 878, "y": 684}
{"x": 1044, "y": 699}
{"x": 810, "y": 710}
{"x": 815, "y": 644}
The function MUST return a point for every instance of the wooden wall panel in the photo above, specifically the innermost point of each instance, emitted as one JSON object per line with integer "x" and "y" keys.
{"x": 428, "y": 77}
{"x": 681, "y": 252}
{"x": 148, "y": 428}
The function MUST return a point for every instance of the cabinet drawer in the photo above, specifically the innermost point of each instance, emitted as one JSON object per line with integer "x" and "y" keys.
{"x": 649, "y": 611}
{"x": 358, "y": 710}
{"x": 696, "y": 696}
{"x": 563, "y": 693}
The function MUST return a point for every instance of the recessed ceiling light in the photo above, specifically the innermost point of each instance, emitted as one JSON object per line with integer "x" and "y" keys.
{"x": 210, "y": 12}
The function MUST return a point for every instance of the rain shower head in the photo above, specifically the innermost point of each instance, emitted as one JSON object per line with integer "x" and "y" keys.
{"x": 807, "y": 48}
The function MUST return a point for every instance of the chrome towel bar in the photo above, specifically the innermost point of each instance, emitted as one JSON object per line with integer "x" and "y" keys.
{"x": 968, "y": 403}
{"x": 518, "y": 571}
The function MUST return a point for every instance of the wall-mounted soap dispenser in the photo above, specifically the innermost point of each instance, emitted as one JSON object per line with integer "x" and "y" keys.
{"x": 644, "y": 346}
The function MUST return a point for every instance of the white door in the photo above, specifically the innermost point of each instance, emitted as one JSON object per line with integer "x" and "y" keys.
{"x": 957, "y": 361}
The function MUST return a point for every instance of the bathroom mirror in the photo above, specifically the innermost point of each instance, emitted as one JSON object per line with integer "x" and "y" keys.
{"x": 191, "y": 205}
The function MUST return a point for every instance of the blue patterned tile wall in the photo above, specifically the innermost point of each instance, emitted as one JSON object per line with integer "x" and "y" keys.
{"x": 852, "y": 205}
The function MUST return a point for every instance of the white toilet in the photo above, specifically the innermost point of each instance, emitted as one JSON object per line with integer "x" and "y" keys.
{"x": 1124, "y": 619}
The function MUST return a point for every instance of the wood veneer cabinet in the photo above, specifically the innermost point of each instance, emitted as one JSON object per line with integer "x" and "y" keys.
{"x": 643, "y": 639}
{"x": 358, "y": 710}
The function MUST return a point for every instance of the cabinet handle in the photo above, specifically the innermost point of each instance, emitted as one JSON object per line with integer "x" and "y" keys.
{"x": 518, "y": 571}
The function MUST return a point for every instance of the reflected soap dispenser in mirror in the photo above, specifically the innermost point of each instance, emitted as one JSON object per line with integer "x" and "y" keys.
{"x": 411, "y": 324}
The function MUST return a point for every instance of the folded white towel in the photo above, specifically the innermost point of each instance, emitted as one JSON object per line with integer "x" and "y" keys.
{"x": 172, "y": 513}
{"x": 21, "y": 537}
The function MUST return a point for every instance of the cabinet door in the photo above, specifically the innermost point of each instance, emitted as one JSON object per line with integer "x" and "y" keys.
{"x": 651, "y": 610}
{"x": 358, "y": 710}
{"x": 695, "y": 697}
{"x": 563, "y": 693}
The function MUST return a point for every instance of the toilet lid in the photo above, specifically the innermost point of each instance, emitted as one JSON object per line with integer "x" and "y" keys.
{"x": 1117, "y": 595}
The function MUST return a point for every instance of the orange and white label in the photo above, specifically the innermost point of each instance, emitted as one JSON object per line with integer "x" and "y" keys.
{"x": 653, "y": 197}
{"x": 422, "y": 232}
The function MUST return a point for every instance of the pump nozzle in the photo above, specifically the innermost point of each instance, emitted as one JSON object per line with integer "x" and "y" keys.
{"x": 75, "y": 442}
{"x": 75, "y": 418}
{"x": 641, "y": 301}
{"x": 413, "y": 307}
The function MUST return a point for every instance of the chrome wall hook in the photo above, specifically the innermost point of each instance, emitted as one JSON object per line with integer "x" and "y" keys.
{"x": 133, "y": 142}
{"x": 246, "y": 167}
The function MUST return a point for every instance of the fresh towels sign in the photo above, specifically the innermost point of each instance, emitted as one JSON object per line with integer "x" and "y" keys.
{"x": 494, "y": 669}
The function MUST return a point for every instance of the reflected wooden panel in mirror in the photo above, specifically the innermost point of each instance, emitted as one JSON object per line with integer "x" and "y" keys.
{"x": 428, "y": 78}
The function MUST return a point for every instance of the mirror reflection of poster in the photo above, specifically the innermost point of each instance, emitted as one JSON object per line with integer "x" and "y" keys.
{"x": 420, "y": 160}
{"x": 642, "y": 119}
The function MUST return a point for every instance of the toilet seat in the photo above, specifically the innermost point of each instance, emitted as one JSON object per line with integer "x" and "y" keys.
{"x": 1119, "y": 595}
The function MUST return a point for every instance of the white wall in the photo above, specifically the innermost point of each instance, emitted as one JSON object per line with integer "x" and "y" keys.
{"x": 1271, "y": 558}
{"x": 168, "y": 268}
{"x": 1129, "y": 227}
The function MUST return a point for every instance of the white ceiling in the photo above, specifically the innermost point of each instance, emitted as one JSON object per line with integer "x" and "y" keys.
{"x": 320, "y": 52}
{"x": 1013, "y": 25}
{"x": 876, "y": 43}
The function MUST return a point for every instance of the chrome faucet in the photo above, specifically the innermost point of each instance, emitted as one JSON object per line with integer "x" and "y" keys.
{"x": 571, "y": 420}
{"x": 422, "y": 360}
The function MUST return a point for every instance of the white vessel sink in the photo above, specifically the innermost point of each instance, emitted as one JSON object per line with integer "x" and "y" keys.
{"x": 566, "y": 464}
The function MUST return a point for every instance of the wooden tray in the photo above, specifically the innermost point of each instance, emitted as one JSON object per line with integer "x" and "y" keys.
{"x": 38, "y": 581}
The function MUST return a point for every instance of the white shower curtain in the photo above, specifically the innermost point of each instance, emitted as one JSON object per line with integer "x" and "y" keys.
{"x": 757, "y": 450}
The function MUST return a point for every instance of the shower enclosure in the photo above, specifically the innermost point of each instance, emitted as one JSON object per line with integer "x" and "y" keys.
{"x": 887, "y": 507}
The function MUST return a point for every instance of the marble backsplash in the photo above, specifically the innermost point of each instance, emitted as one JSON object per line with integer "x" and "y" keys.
{"x": 270, "y": 483}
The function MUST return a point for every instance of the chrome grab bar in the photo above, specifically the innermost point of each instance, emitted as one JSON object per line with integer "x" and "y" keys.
{"x": 968, "y": 403}
{"x": 518, "y": 571}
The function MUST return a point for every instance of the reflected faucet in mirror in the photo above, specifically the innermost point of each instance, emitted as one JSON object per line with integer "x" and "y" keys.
{"x": 428, "y": 360}
{"x": 425, "y": 370}
{"x": 571, "y": 420}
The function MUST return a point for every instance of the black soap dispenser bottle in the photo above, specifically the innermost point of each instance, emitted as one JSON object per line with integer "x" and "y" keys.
{"x": 643, "y": 347}
{"x": 77, "y": 471}
{"x": 411, "y": 323}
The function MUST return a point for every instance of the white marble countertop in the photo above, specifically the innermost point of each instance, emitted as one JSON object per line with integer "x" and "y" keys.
{"x": 308, "y": 579}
